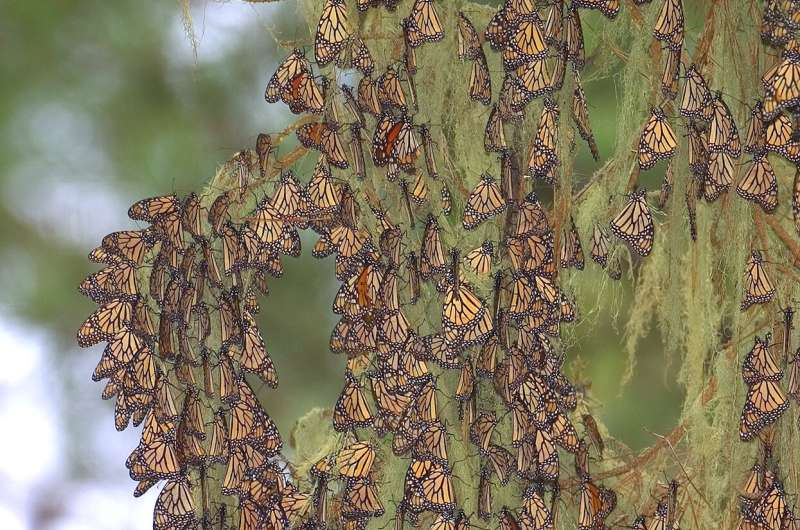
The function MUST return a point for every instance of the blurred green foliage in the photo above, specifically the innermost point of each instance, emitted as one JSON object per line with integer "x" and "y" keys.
{"x": 109, "y": 97}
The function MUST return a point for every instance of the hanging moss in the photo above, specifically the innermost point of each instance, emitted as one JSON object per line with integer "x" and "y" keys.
{"x": 686, "y": 292}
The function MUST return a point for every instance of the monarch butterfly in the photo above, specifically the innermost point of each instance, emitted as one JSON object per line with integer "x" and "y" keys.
{"x": 669, "y": 77}
{"x": 531, "y": 217}
{"x": 291, "y": 68}
{"x": 511, "y": 101}
{"x": 487, "y": 359}
{"x": 368, "y": 96}
{"x": 599, "y": 250}
{"x": 351, "y": 104}
{"x": 131, "y": 245}
{"x": 758, "y": 287}
{"x": 532, "y": 79}
{"x": 426, "y": 405}
{"x": 253, "y": 356}
{"x": 250, "y": 425}
{"x": 774, "y": 29}
{"x": 779, "y": 137}
{"x": 494, "y": 138}
{"x": 502, "y": 462}
{"x": 759, "y": 365}
{"x": 658, "y": 521}
{"x": 125, "y": 347}
{"x": 755, "y": 136}
{"x": 484, "y": 496}
{"x": 322, "y": 192}
{"x": 480, "y": 259}
{"x": 669, "y": 26}
{"x": 554, "y": 25}
{"x": 432, "y": 483}
{"x": 432, "y": 260}
{"x": 357, "y": 151}
{"x": 394, "y": 142}
{"x": 423, "y": 25}
{"x": 782, "y": 84}
{"x": 154, "y": 457}
{"x": 596, "y": 503}
{"x": 543, "y": 158}
{"x": 657, "y": 141}
{"x": 765, "y": 404}
{"x": 407, "y": 202}
{"x": 580, "y": 115}
{"x": 486, "y": 200}
{"x": 355, "y": 54}
{"x": 464, "y": 315}
{"x": 218, "y": 448}
{"x": 361, "y": 499}
{"x": 355, "y": 461}
{"x": 593, "y": 432}
{"x": 293, "y": 82}
{"x": 723, "y": 135}
{"x": 571, "y": 249}
{"x": 444, "y": 522}
{"x": 390, "y": 91}
{"x": 230, "y": 248}
{"x": 469, "y": 43}
{"x": 496, "y": 32}
{"x": 720, "y": 175}
{"x": 191, "y": 206}
{"x": 634, "y": 224}
{"x": 480, "y": 432}
{"x": 111, "y": 282}
{"x": 540, "y": 261}
{"x": 324, "y": 137}
{"x": 609, "y": 8}
{"x": 770, "y": 510}
{"x": 546, "y": 455}
{"x": 535, "y": 514}
{"x": 289, "y": 199}
{"x": 698, "y": 152}
{"x": 696, "y": 99}
{"x": 509, "y": 179}
{"x": 525, "y": 42}
{"x": 149, "y": 210}
{"x": 108, "y": 320}
{"x": 466, "y": 381}
{"x": 294, "y": 504}
{"x": 760, "y": 185}
{"x": 352, "y": 409}
{"x": 333, "y": 31}
{"x": 480, "y": 82}
{"x": 175, "y": 506}
{"x": 573, "y": 39}
{"x": 303, "y": 94}
{"x": 432, "y": 443}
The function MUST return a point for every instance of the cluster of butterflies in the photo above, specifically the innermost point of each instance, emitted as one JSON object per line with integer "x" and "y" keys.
{"x": 381, "y": 273}
{"x": 714, "y": 143}
{"x": 178, "y": 298}
{"x": 763, "y": 497}
{"x": 177, "y": 310}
